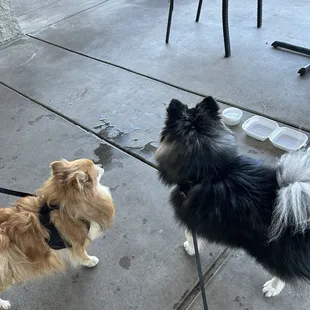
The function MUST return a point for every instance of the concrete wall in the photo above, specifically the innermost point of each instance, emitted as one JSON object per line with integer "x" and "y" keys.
{"x": 9, "y": 27}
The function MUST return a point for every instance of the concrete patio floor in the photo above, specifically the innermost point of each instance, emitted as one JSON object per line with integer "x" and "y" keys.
{"x": 92, "y": 79}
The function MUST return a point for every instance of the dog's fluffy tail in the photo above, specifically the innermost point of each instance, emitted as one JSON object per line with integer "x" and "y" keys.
{"x": 292, "y": 209}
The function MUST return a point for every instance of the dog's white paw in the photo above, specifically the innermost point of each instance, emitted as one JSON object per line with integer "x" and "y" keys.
{"x": 189, "y": 248}
{"x": 92, "y": 262}
{"x": 273, "y": 287}
{"x": 4, "y": 304}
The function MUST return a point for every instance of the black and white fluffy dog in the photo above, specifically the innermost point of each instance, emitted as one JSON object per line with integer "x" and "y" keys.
{"x": 234, "y": 200}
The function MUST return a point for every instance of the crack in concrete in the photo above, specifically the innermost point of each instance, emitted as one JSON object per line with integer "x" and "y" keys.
{"x": 188, "y": 299}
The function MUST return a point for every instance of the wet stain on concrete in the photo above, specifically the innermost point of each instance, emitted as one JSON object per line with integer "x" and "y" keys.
{"x": 144, "y": 221}
{"x": 49, "y": 116}
{"x": 146, "y": 151}
{"x": 125, "y": 262}
{"x": 109, "y": 131}
{"x": 149, "y": 148}
{"x": 108, "y": 158}
{"x": 124, "y": 138}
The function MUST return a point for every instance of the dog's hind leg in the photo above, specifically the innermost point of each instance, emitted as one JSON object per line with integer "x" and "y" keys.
{"x": 273, "y": 287}
{"x": 189, "y": 243}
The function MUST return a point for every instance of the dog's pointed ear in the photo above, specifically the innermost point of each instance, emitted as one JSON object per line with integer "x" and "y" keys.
{"x": 58, "y": 166}
{"x": 77, "y": 178}
{"x": 210, "y": 105}
{"x": 175, "y": 108}
{"x": 81, "y": 178}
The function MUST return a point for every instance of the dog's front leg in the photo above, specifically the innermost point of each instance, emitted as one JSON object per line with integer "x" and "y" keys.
{"x": 189, "y": 243}
{"x": 4, "y": 285}
{"x": 4, "y": 304}
{"x": 80, "y": 255}
{"x": 273, "y": 287}
{"x": 94, "y": 232}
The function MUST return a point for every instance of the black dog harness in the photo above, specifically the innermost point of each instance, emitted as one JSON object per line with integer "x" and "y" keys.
{"x": 56, "y": 242}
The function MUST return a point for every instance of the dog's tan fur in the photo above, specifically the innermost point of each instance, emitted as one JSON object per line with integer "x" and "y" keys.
{"x": 74, "y": 187}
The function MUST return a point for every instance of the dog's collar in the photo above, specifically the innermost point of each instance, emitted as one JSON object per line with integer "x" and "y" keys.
{"x": 55, "y": 241}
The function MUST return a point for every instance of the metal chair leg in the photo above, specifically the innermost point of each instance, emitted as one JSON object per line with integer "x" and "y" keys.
{"x": 198, "y": 10}
{"x": 169, "y": 21}
{"x": 226, "y": 28}
{"x": 259, "y": 13}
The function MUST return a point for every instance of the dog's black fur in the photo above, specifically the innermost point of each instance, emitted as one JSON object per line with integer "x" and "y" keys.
{"x": 231, "y": 198}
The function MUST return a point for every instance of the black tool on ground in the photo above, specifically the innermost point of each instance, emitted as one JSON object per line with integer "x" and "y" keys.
{"x": 295, "y": 48}
{"x": 14, "y": 193}
{"x": 198, "y": 263}
{"x": 224, "y": 21}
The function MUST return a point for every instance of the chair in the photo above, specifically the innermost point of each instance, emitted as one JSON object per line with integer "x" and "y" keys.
{"x": 224, "y": 21}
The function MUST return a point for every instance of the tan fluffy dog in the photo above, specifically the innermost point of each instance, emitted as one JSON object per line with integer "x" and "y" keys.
{"x": 77, "y": 207}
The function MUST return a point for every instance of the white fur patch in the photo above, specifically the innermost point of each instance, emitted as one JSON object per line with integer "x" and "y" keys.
{"x": 189, "y": 243}
{"x": 104, "y": 190}
{"x": 94, "y": 231}
{"x": 293, "y": 199}
{"x": 101, "y": 188}
{"x": 92, "y": 262}
{"x": 4, "y": 304}
{"x": 273, "y": 287}
{"x": 100, "y": 172}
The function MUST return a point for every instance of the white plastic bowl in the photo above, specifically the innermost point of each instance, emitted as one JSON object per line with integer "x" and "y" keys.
{"x": 288, "y": 139}
{"x": 232, "y": 116}
{"x": 259, "y": 127}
